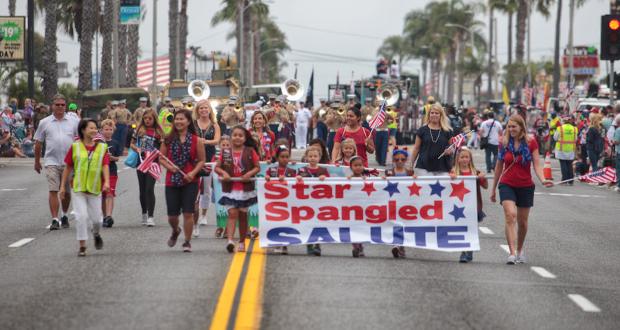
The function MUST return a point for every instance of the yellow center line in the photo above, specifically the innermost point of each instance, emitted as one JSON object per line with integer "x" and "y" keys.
{"x": 249, "y": 310}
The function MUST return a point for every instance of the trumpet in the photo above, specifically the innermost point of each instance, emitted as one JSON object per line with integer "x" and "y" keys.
{"x": 238, "y": 108}
{"x": 198, "y": 90}
{"x": 389, "y": 94}
{"x": 292, "y": 89}
{"x": 341, "y": 111}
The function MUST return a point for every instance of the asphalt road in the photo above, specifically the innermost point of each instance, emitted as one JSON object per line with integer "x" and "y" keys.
{"x": 137, "y": 282}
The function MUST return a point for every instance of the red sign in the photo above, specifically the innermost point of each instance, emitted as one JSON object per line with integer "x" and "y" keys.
{"x": 587, "y": 61}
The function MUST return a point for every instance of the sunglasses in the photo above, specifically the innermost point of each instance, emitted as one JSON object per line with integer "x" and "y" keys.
{"x": 400, "y": 159}
{"x": 60, "y": 104}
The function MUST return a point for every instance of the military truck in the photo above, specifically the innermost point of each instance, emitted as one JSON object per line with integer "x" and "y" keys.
{"x": 92, "y": 102}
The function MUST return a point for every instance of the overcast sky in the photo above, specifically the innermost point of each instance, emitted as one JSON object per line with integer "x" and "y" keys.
{"x": 346, "y": 28}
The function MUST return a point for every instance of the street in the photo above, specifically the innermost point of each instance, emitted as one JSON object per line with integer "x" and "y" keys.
{"x": 137, "y": 282}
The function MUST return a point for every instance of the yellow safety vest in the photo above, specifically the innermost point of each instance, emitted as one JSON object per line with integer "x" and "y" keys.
{"x": 87, "y": 167}
{"x": 568, "y": 138}
{"x": 554, "y": 124}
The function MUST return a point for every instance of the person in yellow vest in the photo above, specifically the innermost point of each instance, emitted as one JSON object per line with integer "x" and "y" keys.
{"x": 566, "y": 141}
{"x": 392, "y": 120}
{"x": 554, "y": 123}
{"x": 89, "y": 161}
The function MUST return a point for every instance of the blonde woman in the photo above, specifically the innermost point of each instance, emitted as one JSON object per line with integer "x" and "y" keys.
{"x": 517, "y": 153}
{"x": 431, "y": 141}
{"x": 209, "y": 134}
{"x": 594, "y": 140}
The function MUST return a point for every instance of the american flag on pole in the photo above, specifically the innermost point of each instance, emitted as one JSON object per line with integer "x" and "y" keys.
{"x": 604, "y": 175}
{"x": 459, "y": 140}
{"x": 145, "y": 165}
{"x": 379, "y": 118}
{"x": 145, "y": 70}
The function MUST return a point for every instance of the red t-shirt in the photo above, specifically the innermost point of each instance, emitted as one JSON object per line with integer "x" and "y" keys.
{"x": 359, "y": 136}
{"x": 238, "y": 167}
{"x": 69, "y": 156}
{"x": 515, "y": 173}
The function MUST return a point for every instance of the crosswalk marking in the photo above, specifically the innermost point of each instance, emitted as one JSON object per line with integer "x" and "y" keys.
{"x": 21, "y": 242}
{"x": 542, "y": 272}
{"x": 583, "y": 303}
{"x": 13, "y": 189}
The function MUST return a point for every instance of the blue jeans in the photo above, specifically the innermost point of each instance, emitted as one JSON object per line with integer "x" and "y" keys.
{"x": 381, "y": 146}
{"x": 594, "y": 157}
{"x": 566, "y": 166}
{"x": 490, "y": 150}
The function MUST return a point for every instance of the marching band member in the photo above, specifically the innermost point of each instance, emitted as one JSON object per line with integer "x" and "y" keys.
{"x": 381, "y": 139}
{"x": 185, "y": 158}
{"x": 333, "y": 121}
{"x": 367, "y": 111}
{"x": 240, "y": 161}
{"x": 318, "y": 120}
{"x": 465, "y": 166}
{"x": 137, "y": 114}
{"x": 230, "y": 116}
{"x": 272, "y": 110}
{"x": 302, "y": 120}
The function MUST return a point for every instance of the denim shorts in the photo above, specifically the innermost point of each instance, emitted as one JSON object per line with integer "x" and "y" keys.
{"x": 523, "y": 197}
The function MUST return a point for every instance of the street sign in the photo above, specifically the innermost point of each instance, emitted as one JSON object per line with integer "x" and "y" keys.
{"x": 130, "y": 12}
{"x": 12, "y": 32}
{"x": 585, "y": 61}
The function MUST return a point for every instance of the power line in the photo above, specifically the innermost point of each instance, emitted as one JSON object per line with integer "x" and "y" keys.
{"x": 331, "y": 31}
{"x": 344, "y": 57}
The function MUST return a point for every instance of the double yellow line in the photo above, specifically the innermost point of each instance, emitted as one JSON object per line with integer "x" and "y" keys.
{"x": 240, "y": 303}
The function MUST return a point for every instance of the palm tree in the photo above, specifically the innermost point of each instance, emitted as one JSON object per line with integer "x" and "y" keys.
{"x": 182, "y": 36}
{"x": 523, "y": 12}
{"x": 172, "y": 37}
{"x": 509, "y": 7}
{"x": 229, "y": 13}
{"x": 87, "y": 31}
{"x": 106, "y": 49}
{"x": 395, "y": 48}
{"x": 50, "y": 70}
{"x": 133, "y": 52}
{"x": 122, "y": 53}
{"x": 12, "y": 7}
{"x": 273, "y": 46}
{"x": 416, "y": 27}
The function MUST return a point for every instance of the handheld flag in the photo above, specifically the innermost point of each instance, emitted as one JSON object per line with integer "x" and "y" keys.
{"x": 145, "y": 166}
{"x": 379, "y": 118}
{"x": 604, "y": 175}
{"x": 155, "y": 171}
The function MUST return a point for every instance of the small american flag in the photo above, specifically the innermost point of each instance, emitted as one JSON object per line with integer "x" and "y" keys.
{"x": 379, "y": 118}
{"x": 145, "y": 166}
{"x": 459, "y": 140}
{"x": 99, "y": 137}
{"x": 155, "y": 171}
{"x": 604, "y": 175}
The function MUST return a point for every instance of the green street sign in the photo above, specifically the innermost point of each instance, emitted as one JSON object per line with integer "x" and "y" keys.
{"x": 12, "y": 33}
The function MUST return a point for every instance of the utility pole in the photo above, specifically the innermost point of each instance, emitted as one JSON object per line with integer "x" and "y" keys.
{"x": 154, "y": 63}
{"x": 178, "y": 49}
{"x": 490, "y": 67}
{"x": 240, "y": 59}
{"x": 96, "y": 60}
{"x": 30, "y": 46}
{"x": 115, "y": 59}
{"x": 251, "y": 59}
{"x": 571, "y": 69}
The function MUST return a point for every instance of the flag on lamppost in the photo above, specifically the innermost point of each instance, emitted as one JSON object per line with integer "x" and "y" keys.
{"x": 310, "y": 95}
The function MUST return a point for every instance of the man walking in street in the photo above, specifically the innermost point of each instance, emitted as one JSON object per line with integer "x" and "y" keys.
{"x": 490, "y": 132}
{"x": 57, "y": 132}
{"x": 566, "y": 141}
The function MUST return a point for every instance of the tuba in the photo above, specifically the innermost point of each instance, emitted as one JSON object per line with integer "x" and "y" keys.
{"x": 198, "y": 90}
{"x": 292, "y": 89}
{"x": 388, "y": 94}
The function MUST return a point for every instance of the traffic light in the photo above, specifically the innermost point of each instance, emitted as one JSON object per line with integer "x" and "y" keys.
{"x": 610, "y": 37}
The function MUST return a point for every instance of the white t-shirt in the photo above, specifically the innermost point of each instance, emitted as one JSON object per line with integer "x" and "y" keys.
{"x": 303, "y": 117}
{"x": 495, "y": 133}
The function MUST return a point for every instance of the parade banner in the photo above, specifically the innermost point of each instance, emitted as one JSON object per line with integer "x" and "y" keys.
{"x": 222, "y": 214}
{"x": 12, "y": 36}
{"x": 429, "y": 213}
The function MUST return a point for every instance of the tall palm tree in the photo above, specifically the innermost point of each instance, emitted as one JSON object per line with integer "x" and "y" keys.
{"x": 415, "y": 30}
{"x": 556, "y": 52}
{"x": 523, "y": 12}
{"x": 183, "y": 36}
{"x": 133, "y": 52}
{"x": 12, "y": 7}
{"x": 172, "y": 37}
{"x": 274, "y": 45}
{"x": 122, "y": 53}
{"x": 50, "y": 70}
{"x": 509, "y": 7}
{"x": 395, "y": 48}
{"x": 229, "y": 13}
{"x": 87, "y": 31}
{"x": 106, "y": 49}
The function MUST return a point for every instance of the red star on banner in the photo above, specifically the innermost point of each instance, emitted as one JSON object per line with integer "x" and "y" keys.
{"x": 459, "y": 190}
{"x": 414, "y": 189}
{"x": 369, "y": 187}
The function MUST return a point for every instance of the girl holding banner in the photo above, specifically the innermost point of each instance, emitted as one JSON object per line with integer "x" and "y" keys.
{"x": 399, "y": 158}
{"x": 517, "y": 153}
{"x": 347, "y": 151}
{"x": 209, "y": 134}
{"x": 433, "y": 140}
{"x": 357, "y": 167}
{"x": 184, "y": 158}
{"x": 241, "y": 161}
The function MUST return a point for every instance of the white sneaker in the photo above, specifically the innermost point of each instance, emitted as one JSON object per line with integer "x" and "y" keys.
{"x": 150, "y": 222}
{"x": 521, "y": 259}
{"x": 144, "y": 219}
{"x": 203, "y": 220}
{"x": 511, "y": 260}
{"x": 196, "y": 232}
{"x": 617, "y": 189}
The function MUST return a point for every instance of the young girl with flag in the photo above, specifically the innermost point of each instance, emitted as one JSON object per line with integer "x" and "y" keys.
{"x": 465, "y": 166}
{"x": 184, "y": 157}
{"x": 89, "y": 161}
{"x": 240, "y": 162}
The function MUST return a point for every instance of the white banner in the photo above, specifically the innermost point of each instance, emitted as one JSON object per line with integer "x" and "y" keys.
{"x": 428, "y": 213}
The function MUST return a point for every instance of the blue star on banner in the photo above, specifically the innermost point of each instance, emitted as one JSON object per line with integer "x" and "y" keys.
{"x": 436, "y": 189}
{"x": 392, "y": 188}
{"x": 457, "y": 213}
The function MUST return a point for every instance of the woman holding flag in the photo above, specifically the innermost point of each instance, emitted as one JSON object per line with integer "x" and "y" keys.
{"x": 183, "y": 155}
{"x": 432, "y": 149}
{"x": 147, "y": 139}
{"x": 362, "y": 136}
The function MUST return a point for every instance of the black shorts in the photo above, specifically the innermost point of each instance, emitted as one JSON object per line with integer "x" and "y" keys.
{"x": 523, "y": 197}
{"x": 181, "y": 199}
